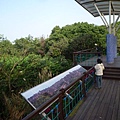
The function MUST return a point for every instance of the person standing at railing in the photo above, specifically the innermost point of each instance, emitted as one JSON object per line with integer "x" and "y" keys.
{"x": 99, "y": 67}
{"x": 98, "y": 50}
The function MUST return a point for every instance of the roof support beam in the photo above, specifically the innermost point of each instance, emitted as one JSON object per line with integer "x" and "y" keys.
{"x": 118, "y": 28}
{"x": 102, "y": 8}
{"x": 105, "y": 19}
{"x": 116, "y": 20}
{"x": 100, "y": 14}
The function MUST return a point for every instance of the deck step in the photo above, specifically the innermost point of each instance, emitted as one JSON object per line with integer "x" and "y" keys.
{"x": 112, "y": 70}
{"x": 111, "y": 77}
{"x": 112, "y": 73}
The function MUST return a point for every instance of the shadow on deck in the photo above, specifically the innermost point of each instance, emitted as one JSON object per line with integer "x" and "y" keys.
{"x": 101, "y": 104}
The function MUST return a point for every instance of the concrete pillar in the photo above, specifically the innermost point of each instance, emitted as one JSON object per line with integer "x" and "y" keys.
{"x": 110, "y": 48}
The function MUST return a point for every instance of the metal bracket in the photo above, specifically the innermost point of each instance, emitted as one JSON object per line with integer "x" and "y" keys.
{"x": 45, "y": 116}
{"x": 69, "y": 95}
{"x": 80, "y": 81}
{"x": 116, "y": 20}
{"x": 90, "y": 75}
{"x": 117, "y": 27}
{"x": 100, "y": 15}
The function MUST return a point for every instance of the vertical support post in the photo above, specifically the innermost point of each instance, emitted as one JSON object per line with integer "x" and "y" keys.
{"x": 61, "y": 115}
{"x": 115, "y": 46}
{"x": 83, "y": 85}
{"x": 109, "y": 17}
{"x": 114, "y": 23}
{"x": 73, "y": 58}
{"x": 110, "y": 48}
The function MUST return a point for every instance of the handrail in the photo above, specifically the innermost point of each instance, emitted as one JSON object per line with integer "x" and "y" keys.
{"x": 86, "y": 50}
{"x": 86, "y": 58}
{"x": 81, "y": 52}
{"x": 39, "y": 109}
{"x": 60, "y": 96}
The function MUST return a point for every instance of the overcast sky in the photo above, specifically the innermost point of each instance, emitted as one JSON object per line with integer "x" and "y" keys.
{"x": 19, "y": 18}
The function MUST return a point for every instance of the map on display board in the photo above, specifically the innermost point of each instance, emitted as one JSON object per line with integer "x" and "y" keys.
{"x": 44, "y": 91}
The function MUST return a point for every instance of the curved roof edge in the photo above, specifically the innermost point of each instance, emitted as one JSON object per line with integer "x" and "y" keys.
{"x": 92, "y": 6}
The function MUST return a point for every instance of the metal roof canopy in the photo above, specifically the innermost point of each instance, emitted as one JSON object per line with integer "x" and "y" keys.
{"x": 102, "y": 8}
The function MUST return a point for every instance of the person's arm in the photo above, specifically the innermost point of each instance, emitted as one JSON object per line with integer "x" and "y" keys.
{"x": 97, "y": 67}
{"x": 102, "y": 66}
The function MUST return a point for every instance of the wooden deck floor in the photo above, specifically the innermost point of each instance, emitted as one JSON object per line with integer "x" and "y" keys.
{"x": 100, "y": 104}
{"x": 116, "y": 63}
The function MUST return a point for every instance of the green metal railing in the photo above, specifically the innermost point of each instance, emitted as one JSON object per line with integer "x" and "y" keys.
{"x": 85, "y": 58}
{"x": 61, "y": 105}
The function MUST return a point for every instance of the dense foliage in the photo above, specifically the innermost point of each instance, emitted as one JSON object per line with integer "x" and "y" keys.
{"x": 30, "y": 61}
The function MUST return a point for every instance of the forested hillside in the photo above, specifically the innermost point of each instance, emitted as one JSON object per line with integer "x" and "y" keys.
{"x": 30, "y": 61}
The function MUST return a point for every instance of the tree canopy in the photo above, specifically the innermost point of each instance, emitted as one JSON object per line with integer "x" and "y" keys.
{"x": 30, "y": 61}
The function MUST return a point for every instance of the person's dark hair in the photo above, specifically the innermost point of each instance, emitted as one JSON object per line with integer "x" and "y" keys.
{"x": 99, "y": 60}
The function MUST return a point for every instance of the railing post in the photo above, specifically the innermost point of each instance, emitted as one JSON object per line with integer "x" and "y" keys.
{"x": 83, "y": 84}
{"x": 75, "y": 59}
{"x": 61, "y": 115}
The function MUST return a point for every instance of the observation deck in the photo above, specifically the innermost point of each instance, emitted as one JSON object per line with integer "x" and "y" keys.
{"x": 100, "y": 104}
{"x": 80, "y": 100}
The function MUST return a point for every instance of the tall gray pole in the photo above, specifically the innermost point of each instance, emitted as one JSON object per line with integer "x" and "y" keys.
{"x": 109, "y": 17}
{"x": 114, "y": 23}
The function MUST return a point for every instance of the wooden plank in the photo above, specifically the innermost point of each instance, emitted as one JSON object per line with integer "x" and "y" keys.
{"x": 81, "y": 110}
{"x": 103, "y": 104}
{"x": 85, "y": 105}
{"x": 117, "y": 101}
{"x": 89, "y": 105}
{"x": 107, "y": 100}
{"x": 97, "y": 112}
{"x": 118, "y": 116}
{"x": 95, "y": 104}
{"x": 111, "y": 104}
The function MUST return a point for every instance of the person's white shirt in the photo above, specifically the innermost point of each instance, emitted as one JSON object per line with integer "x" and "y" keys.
{"x": 99, "y": 69}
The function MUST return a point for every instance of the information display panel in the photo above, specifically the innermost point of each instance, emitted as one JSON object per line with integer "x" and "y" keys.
{"x": 43, "y": 92}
